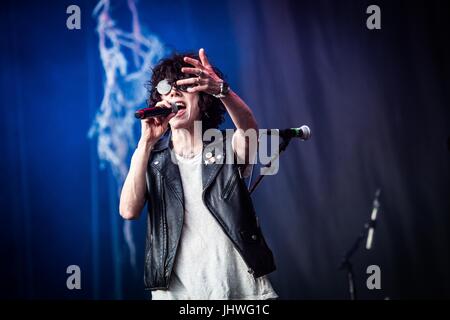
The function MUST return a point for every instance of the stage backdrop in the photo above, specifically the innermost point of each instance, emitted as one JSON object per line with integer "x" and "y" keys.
{"x": 377, "y": 102}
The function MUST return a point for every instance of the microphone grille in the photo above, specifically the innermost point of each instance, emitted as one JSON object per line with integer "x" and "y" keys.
{"x": 174, "y": 107}
{"x": 306, "y": 132}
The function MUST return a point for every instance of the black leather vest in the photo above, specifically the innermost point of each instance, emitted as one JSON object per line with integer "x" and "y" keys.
{"x": 225, "y": 195}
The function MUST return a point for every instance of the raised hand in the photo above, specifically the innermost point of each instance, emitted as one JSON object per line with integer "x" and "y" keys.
{"x": 153, "y": 128}
{"x": 206, "y": 81}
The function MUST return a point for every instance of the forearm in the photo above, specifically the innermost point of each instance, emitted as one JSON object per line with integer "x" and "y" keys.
{"x": 242, "y": 116}
{"x": 239, "y": 111}
{"x": 132, "y": 198}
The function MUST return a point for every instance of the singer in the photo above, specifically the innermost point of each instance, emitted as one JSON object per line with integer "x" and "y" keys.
{"x": 203, "y": 238}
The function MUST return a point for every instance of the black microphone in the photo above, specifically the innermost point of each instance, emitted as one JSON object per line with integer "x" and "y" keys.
{"x": 157, "y": 111}
{"x": 303, "y": 133}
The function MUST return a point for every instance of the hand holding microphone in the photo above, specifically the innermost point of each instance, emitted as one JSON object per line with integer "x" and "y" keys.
{"x": 154, "y": 121}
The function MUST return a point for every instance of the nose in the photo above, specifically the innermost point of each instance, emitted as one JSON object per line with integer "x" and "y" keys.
{"x": 174, "y": 92}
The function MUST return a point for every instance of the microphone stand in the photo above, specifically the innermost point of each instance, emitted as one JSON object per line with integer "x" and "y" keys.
{"x": 346, "y": 263}
{"x": 283, "y": 145}
{"x": 304, "y": 133}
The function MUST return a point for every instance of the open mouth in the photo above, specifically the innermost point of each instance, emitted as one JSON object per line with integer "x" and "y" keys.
{"x": 181, "y": 109}
{"x": 180, "y": 105}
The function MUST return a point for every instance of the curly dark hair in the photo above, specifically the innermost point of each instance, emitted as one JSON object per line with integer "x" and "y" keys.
{"x": 212, "y": 109}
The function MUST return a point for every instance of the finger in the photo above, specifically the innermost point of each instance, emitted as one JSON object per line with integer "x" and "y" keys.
{"x": 158, "y": 121}
{"x": 167, "y": 119}
{"x": 195, "y": 71}
{"x": 198, "y": 88}
{"x": 147, "y": 121}
{"x": 194, "y": 62}
{"x": 195, "y": 80}
{"x": 163, "y": 104}
{"x": 203, "y": 57}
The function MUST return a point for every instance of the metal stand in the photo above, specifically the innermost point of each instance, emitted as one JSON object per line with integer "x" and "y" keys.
{"x": 346, "y": 264}
{"x": 282, "y": 147}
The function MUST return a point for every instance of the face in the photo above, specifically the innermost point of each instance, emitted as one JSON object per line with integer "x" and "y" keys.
{"x": 185, "y": 117}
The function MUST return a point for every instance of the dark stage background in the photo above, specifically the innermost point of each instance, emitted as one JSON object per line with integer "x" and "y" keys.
{"x": 377, "y": 103}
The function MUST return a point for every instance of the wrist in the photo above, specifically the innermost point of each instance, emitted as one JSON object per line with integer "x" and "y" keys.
{"x": 145, "y": 145}
{"x": 223, "y": 91}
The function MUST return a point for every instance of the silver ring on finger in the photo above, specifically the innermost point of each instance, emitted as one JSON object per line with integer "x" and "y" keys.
{"x": 200, "y": 73}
